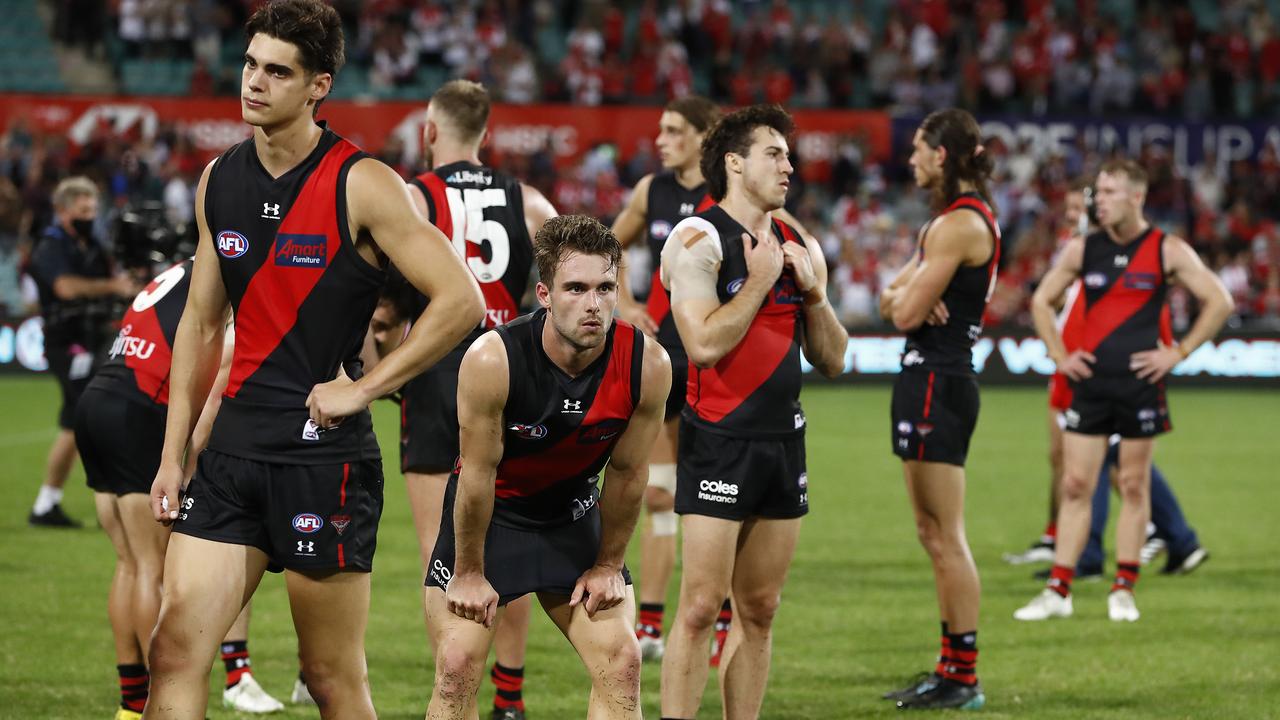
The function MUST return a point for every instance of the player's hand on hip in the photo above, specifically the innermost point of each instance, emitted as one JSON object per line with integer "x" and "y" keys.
{"x": 764, "y": 260}
{"x": 796, "y": 258}
{"x": 1077, "y": 365}
{"x": 1153, "y": 365}
{"x": 638, "y": 315}
{"x": 330, "y": 402}
{"x": 166, "y": 493}
{"x": 599, "y": 588}
{"x": 471, "y": 597}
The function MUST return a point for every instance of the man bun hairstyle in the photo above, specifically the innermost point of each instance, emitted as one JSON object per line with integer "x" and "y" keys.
{"x": 966, "y": 161}
{"x": 733, "y": 135}
{"x": 312, "y": 26}
{"x": 466, "y": 105}
{"x": 565, "y": 234}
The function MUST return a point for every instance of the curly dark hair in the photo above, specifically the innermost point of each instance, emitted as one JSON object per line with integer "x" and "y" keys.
{"x": 312, "y": 26}
{"x": 958, "y": 132}
{"x": 565, "y": 234}
{"x": 732, "y": 134}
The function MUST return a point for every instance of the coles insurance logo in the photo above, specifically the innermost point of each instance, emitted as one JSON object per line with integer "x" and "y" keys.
{"x": 232, "y": 244}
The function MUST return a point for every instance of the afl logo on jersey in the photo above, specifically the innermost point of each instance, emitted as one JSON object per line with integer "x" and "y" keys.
{"x": 307, "y": 523}
{"x": 1095, "y": 280}
{"x": 659, "y": 229}
{"x": 529, "y": 432}
{"x": 232, "y": 244}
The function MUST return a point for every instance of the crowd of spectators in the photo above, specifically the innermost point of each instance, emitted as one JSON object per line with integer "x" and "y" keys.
{"x": 866, "y": 216}
{"x": 1196, "y": 58}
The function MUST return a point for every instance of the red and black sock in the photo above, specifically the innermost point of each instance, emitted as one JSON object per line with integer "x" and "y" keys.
{"x": 235, "y": 658}
{"x": 1126, "y": 576}
{"x": 944, "y": 654}
{"x": 650, "y": 623}
{"x": 962, "y": 666}
{"x": 1060, "y": 579}
{"x": 509, "y": 682}
{"x": 133, "y": 686}
{"x": 725, "y": 617}
{"x": 1050, "y": 534}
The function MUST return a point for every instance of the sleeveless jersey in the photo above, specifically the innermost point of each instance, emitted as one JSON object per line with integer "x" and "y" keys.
{"x": 754, "y": 390}
{"x": 1124, "y": 298}
{"x": 669, "y": 202}
{"x": 948, "y": 348}
{"x": 559, "y": 431}
{"x": 302, "y": 297}
{"x": 137, "y": 366}
{"x": 1072, "y": 328}
{"x": 481, "y": 211}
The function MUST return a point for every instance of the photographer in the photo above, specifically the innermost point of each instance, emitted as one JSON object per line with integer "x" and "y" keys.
{"x": 74, "y": 276}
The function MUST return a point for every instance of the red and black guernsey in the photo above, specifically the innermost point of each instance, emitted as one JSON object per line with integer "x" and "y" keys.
{"x": 1124, "y": 299}
{"x": 668, "y": 203}
{"x": 754, "y": 390}
{"x": 137, "y": 367}
{"x": 481, "y": 211}
{"x": 302, "y": 297}
{"x": 558, "y": 430}
{"x": 948, "y": 348}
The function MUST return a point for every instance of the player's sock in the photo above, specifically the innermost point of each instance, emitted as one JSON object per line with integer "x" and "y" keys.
{"x": 1060, "y": 579}
{"x": 1050, "y": 534}
{"x": 963, "y": 664}
{"x": 235, "y": 657}
{"x": 46, "y": 499}
{"x": 944, "y": 654}
{"x": 133, "y": 686}
{"x": 1126, "y": 575}
{"x": 509, "y": 682}
{"x": 650, "y": 620}
{"x": 723, "y": 620}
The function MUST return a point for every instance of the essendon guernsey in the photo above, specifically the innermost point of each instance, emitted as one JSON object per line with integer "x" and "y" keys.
{"x": 1124, "y": 299}
{"x": 754, "y": 390}
{"x": 1071, "y": 327}
{"x": 137, "y": 366}
{"x": 302, "y": 297}
{"x": 482, "y": 212}
{"x": 668, "y": 203}
{"x": 948, "y": 348}
{"x": 560, "y": 430}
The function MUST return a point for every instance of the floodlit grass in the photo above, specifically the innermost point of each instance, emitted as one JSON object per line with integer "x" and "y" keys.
{"x": 858, "y": 613}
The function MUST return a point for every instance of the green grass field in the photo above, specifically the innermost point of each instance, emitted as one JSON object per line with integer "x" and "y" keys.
{"x": 858, "y": 612}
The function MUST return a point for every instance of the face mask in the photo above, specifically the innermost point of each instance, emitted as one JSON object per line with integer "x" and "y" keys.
{"x": 83, "y": 228}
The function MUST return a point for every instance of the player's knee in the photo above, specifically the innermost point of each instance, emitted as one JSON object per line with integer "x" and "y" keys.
{"x": 699, "y": 612}
{"x": 1076, "y": 487}
{"x": 658, "y": 500}
{"x": 1134, "y": 485}
{"x": 621, "y": 673}
{"x": 458, "y": 670}
{"x": 329, "y": 682}
{"x": 756, "y": 610}
{"x": 662, "y": 486}
{"x": 169, "y": 653}
{"x": 929, "y": 533}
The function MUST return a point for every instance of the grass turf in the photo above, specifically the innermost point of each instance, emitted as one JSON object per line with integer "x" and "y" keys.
{"x": 858, "y": 613}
